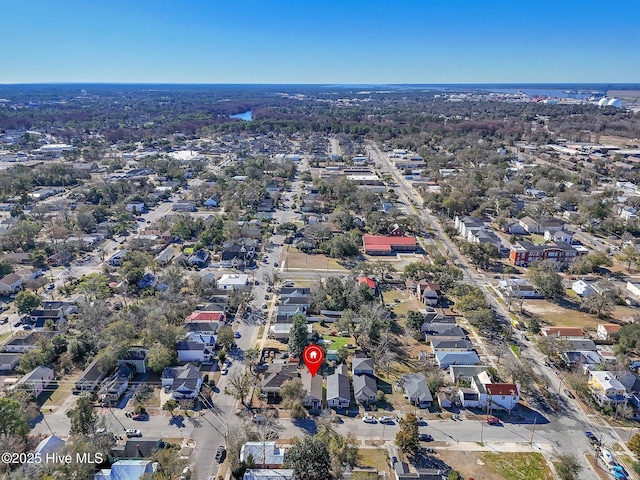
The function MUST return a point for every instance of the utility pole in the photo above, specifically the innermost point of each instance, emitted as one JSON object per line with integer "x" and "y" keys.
{"x": 535, "y": 419}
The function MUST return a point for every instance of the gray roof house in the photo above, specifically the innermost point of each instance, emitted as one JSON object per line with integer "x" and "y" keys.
{"x": 416, "y": 389}
{"x": 451, "y": 344}
{"x": 362, "y": 366}
{"x": 313, "y": 390}
{"x": 265, "y": 454}
{"x": 365, "y": 389}
{"x": 185, "y": 381}
{"x": 91, "y": 377}
{"x": 338, "y": 388}
{"x": 446, "y": 359}
{"x": 9, "y": 361}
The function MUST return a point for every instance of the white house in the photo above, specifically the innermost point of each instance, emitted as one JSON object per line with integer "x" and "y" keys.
{"x": 485, "y": 394}
{"x": 608, "y": 331}
{"x": 135, "y": 207}
{"x": 582, "y": 288}
{"x": 10, "y": 284}
{"x": 558, "y": 236}
{"x": 518, "y": 287}
{"x": 184, "y": 381}
{"x": 37, "y": 380}
{"x": 634, "y": 288}
{"x": 236, "y": 281}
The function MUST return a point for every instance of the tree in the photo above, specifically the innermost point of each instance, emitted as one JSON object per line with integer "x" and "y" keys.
{"x": 292, "y": 391}
{"x": 407, "y": 436}
{"x": 567, "y": 467}
{"x": 12, "y": 422}
{"x": 170, "y": 406}
{"x": 26, "y": 301}
{"x": 240, "y": 383}
{"x": 251, "y": 357}
{"x": 310, "y": 459}
{"x": 226, "y": 337}
{"x": 83, "y": 417}
{"x": 160, "y": 357}
{"x": 601, "y": 303}
{"x": 547, "y": 280}
{"x": 454, "y": 475}
{"x": 5, "y": 268}
{"x": 628, "y": 255}
{"x": 414, "y": 321}
{"x": 480, "y": 254}
{"x": 634, "y": 444}
{"x": 483, "y": 318}
{"x": 298, "y": 335}
{"x": 94, "y": 286}
{"x": 628, "y": 338}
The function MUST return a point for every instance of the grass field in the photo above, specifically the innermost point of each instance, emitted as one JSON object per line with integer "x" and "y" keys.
{"x": 336, "y": 342}
{"x": 373, "y": 457}
{"x": 65, "y": 385}
{"x": 554, "y": 314}
{"x": 518, "y": 466}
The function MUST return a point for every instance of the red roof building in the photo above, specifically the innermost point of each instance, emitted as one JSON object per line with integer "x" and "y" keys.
{"x": 202, "y": 316}
{"x": 367, "y": 281}
{"x": 388, "y": 245}
{"x": 500, "y": 389}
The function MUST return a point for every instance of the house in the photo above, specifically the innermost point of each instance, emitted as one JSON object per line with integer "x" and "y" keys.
{"x": 465, "y": 225}
{"x": 518, "y": 288}
{"x": 606, "y": 389}
{"x": 564, "y": 332}
{"x": 294, "y": 291}
{"x": 485, "y": 394}
{"x": 205, "y": 321}
{"x": 135, "y": 357}
{"x": 236, "y": 281}
{"x": 368, "y": 282}
{"x": 634, "y": 288}
{"x": 29, "y": 273}
{"x": 277, "y": 376}
{"x": 514, "y": 228}
{"x": 91, "y": 378}
{"x": 165, "y": 256}
{"x": 388, "y": 245}
{"x": 450, "y": 344}
{"x": 211, "y": 202}
{"x": 302, "y": 301}
{"x": 9, "y": 361}
{"x": 446, "y": 359}
{"x": 136, "y": 449}
{"x": 365, "y": 389}
{"x": 62, "y": 257}
{"x": 149, "y": 280}
{"x": 585, "y": 358}
{"x": 338, "y": 389}
{"x": 183, "y": 206}
{"x": 10, "y": 284}
{"x": 582, "y": 344}
{"x": 550, "y": 224}
{"x": 428, "y": 292}
{"x": 265, "y": 205}
{"x": 114, "y": 387}
{"x": 191, "y": 351}
{"x": 37, "y": 380}
{"x": 265, "y": 454}
{"x": 529, "y": 225}
{"x": 24, "y": 343}
{"x": 312, "y": 385}
{"x": 524, "y": 253}
{"x": 199, "y": 258}
{"x": 136, "y": 208}
{"x": 465, "y": 372}
{"x": 285, "y": 312}
{"x": 49, "y": 445}
{"x": 583, "y": 289}
{"x": 362, "y": 366}
{"x": 631, "y": 383}
{"x": 127, "y": 469}
{"x": 558, "y": 236}
{"x": 280, "y": 331}
{"x": 40, "y": 316}
{"x": 268, "y": 474}
{"x": 608, "y": 331}
{"x": 185, "y": 381}
{"x": 417, "y": 390}
{"x": 434, "y": 330}
{"x": 116, "y": 259}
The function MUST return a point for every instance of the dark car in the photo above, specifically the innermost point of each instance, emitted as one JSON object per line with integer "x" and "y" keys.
{"x": 568, "y": 393}
{"x": 425, "y": 437}
{"x": 263, "y": 367}
{"x": 17, "y": 324}
{"x": 220, "y": 454}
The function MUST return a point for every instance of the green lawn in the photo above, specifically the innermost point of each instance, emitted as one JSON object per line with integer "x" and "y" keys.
{"x": 518, "y": 466}
{"x": 373, "y": 457}
{"x": 336, "y": 342}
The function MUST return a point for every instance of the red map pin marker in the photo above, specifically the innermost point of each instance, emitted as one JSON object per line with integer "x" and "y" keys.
{"x": 313, "y": 357}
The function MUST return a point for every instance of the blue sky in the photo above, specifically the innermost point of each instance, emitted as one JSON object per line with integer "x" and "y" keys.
{"x": 312, "y": 41}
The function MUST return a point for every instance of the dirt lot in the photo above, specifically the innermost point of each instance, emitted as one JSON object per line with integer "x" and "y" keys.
{"x": 497, "y": 466}
{"x": 297, "y": 259}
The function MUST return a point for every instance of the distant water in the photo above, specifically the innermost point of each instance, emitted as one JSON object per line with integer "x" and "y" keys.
{"x": 246, "y": 116}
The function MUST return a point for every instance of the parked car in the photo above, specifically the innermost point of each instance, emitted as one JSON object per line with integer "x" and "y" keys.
{"x": 259, "y": 418}
{"x": 568, "y": 393}
{"x": 264, "y": 306}
{"x": 133, "y": 432}
{"x": 224, "y": 370}
{"x": 27, "y": 327}
{"x": 425, "y": 437}
{"x": 221, "y": 453}
{"x": 236, "y": 334}
{"x": 140, "y": 416}
{"x": 4, "y": 320}
{"x": 394, "y": 460}
{"x": 385, "y": 419}
{"x": 369, "y": 419}
{"x": 491, "y": 420}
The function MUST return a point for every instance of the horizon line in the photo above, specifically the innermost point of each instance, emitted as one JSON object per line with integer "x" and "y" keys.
{"x": 78, "y": 82}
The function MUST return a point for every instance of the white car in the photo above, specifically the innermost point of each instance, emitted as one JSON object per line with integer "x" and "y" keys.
{"x": 224, "y": 370}
{"x": 133, "y": 432}
{"x": 369, "y": 419}
{"x": 385, "y": 419}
